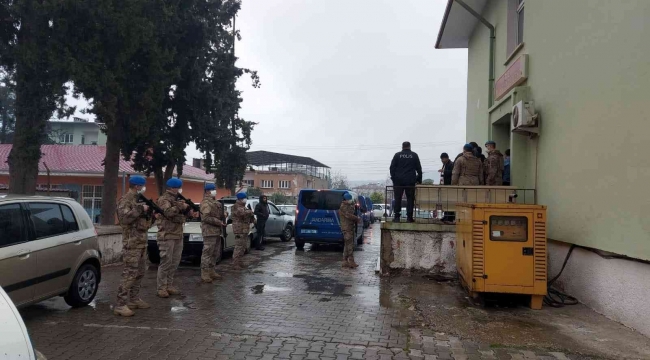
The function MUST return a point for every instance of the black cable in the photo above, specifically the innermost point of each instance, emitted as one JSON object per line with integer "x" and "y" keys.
{"x": 556, "y": 298}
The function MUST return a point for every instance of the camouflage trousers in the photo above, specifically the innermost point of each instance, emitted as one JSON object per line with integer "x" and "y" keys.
{"x": 211, "y": 248}
{"x": 170, "y": 258}
{"x": 132, "y": 274}
{"x": 348, "y": 241}
{"x": 240, "y": 247}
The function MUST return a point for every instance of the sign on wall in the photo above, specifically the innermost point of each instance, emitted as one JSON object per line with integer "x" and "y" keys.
{"x": 514, "y": 75}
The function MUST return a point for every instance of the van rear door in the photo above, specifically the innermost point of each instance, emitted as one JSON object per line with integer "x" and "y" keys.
{"x": 320, "y": 214}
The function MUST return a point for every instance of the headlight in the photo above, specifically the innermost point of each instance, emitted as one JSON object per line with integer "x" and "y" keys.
{"x": 196, "y": 237}
{"x": 152, "y": 236}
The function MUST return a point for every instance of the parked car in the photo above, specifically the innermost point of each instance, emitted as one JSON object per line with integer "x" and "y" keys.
{"x": 279, "y": 223}
{"x": 379, "y": 210}
{"x": 14, "y": 339}
{"x": 365, "y": 213}
{"x": 371, "y": 214}
{"x": 317, "y": 217}
{"x": 48, "y": 248}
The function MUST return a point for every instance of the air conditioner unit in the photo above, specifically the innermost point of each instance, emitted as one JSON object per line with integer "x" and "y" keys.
{"x": 524, "y": 118}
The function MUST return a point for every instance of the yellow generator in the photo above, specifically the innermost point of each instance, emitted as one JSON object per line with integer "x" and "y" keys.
{"x": 501, "y": 248}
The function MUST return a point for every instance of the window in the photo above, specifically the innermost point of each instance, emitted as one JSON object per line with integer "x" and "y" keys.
{"x": 520, "y": 22}
{"x": 47, "y": 220}
{"x": 322, "y": 200}
{"x": 250, "y": 183}
{"x": 12, "y": 230}
{"x": 274, "y": 210}
{"x": 69, "y": 219}
{"x": 267, "y": 184}
{"x": 284, "y": 184}
{"x": 83, "y": 139}
{"x": 515, "y": 31}
{"x": 509, "y": 228}
{"x": 66, "y": 139}
{"x": 91, "y": 200}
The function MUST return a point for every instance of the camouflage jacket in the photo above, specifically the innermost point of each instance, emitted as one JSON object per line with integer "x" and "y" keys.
{"x": 170, "y": 226}
{"x": 494, "y": 168}
{"x": 211, "y": 216}
{"x": 133, "y": 220}
{"x": 241, "y": 218}
{"x": 346, "y": 214}
{"x": 468, "y": 170}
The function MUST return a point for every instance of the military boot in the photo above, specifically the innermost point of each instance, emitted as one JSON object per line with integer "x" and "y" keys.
{"x": 214, "y": 275}
{"x": 163, "y": 293}
{"x": 345, "y": 264}
{"x": 205, "y": 276}
{"x": 123, "y": 311}
{"x": 352, "y": 263}
{"x": 173, "y": 291}
{"x": 138, "y": 304}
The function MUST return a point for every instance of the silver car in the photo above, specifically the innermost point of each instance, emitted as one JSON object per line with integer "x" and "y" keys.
{"x": 48, "y": 247}
{"x": 279, "y": 224}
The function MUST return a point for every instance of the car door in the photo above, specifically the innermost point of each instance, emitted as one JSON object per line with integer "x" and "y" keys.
{"x": 17, "y": 258}
{"x": 275, "y": 220}
{"x": 58, "y": 245}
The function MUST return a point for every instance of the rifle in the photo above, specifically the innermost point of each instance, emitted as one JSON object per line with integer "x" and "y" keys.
{"x": 152, "y": 206}
{"x": 189, "y": 202}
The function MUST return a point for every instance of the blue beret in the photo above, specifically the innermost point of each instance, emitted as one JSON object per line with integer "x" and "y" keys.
{"x": 347, "y": 196}
{"x": 174, "y": 183}
{"x": 137, "y": 180}
{"x": 468, "y": 147}
{"x": 241, "y": 195}
{"x": 490, "y": 142}
{"x": 210, "y": 186}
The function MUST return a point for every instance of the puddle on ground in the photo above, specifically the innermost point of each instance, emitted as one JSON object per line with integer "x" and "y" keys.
{"x": 283, "y": 274}
{"x": 259, "y": 289}
{"x": 180, "y": 306}
{"x": 324, "y": 286}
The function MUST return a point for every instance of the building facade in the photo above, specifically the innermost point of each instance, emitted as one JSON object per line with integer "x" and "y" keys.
{"x": 77, "y": 132}
{"x": 79, "y": 171}
{"x": 584, "y": 66}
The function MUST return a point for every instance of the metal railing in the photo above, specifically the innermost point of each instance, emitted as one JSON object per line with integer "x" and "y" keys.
{"x": 437, "y": 203}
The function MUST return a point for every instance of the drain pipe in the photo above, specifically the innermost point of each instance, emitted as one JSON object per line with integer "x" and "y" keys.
{"x": 492, "y": 43}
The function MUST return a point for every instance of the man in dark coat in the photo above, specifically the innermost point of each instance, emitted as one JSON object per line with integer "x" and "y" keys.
{"x": 447, "y": 169}
{"x": 262, "y": 214}
{"x": 405, "y": 172}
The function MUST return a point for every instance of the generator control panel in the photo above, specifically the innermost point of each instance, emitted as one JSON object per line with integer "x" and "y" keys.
{"x": 509, "y": 228}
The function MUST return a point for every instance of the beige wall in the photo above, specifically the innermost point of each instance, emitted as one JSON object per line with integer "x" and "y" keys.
{"x": 589, "y": 76}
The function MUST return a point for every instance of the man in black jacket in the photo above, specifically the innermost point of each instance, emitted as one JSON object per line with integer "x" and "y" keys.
{"x": 262, "y": 214}
{"x": 447, "y": 169}
{"x": 405, "y": 172}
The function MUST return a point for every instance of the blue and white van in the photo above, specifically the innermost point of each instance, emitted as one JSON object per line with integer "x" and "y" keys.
{"x": 317, "y": 217}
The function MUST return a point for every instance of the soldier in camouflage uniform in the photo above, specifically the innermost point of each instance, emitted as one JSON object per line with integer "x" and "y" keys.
{"x": 348, "y": 222}
{"x": 211, "y": 224}
{"x": 170, "y": 237}
{"x": 241, "y": 220}
{"x": 493, "y": 165}
{"x": 468, "y": 169}
{"x": 135, "y": 221}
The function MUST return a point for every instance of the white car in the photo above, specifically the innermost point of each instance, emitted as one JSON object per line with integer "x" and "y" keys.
{"x": 14, "y": 339}
{"x": 378, "y": 210}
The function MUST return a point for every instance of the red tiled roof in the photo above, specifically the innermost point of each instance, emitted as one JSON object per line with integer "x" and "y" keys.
{"x": 85, "y": 159}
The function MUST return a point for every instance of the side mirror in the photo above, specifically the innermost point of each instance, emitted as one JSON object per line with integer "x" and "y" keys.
{"x": 229, "y": 222}
{"x": 283, "y": 213}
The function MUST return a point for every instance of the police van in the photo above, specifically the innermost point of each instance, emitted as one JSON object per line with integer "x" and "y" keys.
{"x": 317, "y": 217}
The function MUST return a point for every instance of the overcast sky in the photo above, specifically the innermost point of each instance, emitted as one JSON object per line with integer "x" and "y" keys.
{"x": 346, "y": 81}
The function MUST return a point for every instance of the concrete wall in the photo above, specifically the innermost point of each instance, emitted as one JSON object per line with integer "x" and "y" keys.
{"x": 422, "y": 247}
{"x": 588, "y": 76}
{"x": 615, "y": 288}
{"x": 110, "y": 244}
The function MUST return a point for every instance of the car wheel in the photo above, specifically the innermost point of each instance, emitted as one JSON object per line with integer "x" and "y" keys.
{"x": 287, "y": 233}
{"x": 154, "y": 256}
{"x": 300, "y": 244}
{"x": 219, "y": 255}
{"x": 84, "y": 286}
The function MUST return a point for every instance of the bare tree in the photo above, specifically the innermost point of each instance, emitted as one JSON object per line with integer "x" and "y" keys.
{"x": 340, "y": 181}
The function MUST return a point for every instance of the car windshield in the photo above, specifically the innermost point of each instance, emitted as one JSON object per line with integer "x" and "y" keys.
{"x": 322, "y": 200}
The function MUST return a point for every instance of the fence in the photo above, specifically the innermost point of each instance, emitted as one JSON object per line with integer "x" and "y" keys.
{"x": 434, "y": 203}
